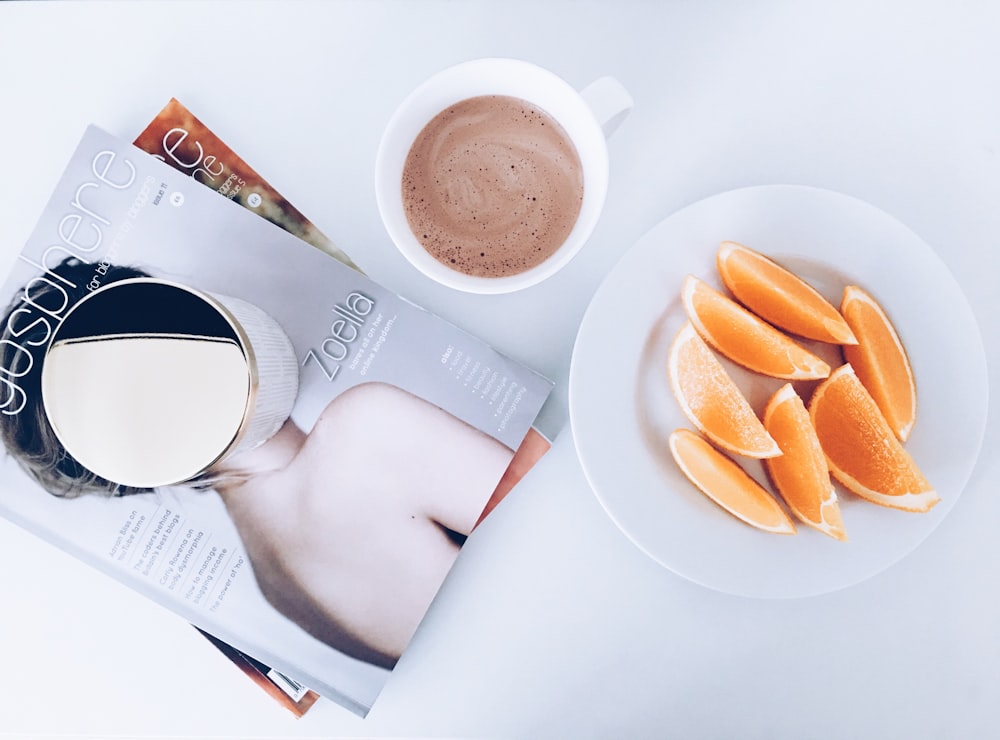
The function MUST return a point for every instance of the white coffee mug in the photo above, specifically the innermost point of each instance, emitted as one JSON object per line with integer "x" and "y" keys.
{"x": 588, "y": 118}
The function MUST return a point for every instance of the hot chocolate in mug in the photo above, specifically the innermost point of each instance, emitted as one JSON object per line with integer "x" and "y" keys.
{"x": 492, "y": 174}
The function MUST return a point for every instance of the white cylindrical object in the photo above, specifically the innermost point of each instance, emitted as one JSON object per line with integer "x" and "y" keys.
{"x": 147, "y": 382}
{"x": 277, "y": 371}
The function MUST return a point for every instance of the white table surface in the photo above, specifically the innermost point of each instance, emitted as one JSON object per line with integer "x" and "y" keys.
{"x": 552, "y": 624}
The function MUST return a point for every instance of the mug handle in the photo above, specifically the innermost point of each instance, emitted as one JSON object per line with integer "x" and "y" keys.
{"x": 609, "y": 101}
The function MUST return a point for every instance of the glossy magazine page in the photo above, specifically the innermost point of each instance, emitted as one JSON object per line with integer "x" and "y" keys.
{"x": 179, "y": 138}
{"x": 319, "y": 551}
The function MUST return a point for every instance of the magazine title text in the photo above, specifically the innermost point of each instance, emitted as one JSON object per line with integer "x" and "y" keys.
{"x": 191, "y": 158}
{"x": 345, "y": 330}
{"x": 47, "y": 296}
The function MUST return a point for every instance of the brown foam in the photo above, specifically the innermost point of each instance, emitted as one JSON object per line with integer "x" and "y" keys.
{"x": 492, "y": 186}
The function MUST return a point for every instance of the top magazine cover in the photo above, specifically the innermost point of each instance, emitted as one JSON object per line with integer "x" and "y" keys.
{"x": 319, "y": 551}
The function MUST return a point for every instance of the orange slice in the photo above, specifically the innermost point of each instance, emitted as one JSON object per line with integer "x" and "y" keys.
{"x": 727, "y": 484}
{"x": 712, "y": 401}
{"x": 744, "y": 338}
{"x": 801, "y": 474}
{"x": 861, "y": 449}
{"x": 779, "y": 295}
{"x": 880, "y": 360}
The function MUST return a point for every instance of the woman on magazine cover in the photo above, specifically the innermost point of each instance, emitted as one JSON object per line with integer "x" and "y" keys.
{"x": 350, "y": 527}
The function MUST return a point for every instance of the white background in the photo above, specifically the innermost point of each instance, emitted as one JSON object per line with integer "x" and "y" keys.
{"x": 553, "y": 624}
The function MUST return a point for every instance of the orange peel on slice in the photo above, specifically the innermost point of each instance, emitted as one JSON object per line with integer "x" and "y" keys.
{"x": 727, "y": 484}
{"x": 745, "y": 338}
{"x": 801, "y": 474}
{"x": 780, "y": 296}
{"x": 861, "y": 449}
{"x": 712, "y": 401}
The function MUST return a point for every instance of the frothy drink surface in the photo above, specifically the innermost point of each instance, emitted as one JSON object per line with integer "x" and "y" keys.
{"x": 492, "y": 186}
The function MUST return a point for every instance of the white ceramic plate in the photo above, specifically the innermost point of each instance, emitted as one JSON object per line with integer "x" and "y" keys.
{"x": 622, "y": 410}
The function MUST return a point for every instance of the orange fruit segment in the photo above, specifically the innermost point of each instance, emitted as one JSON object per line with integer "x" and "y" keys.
{"x": 779, "y": 296}
{"x": 727, "y": 484}
{"x": 861, "y": 450}
{"x": 801, "y": 474}
{"x": 744, "y": 338}
{"x": 880, "y": 360}
{"x": 711, "y": 399}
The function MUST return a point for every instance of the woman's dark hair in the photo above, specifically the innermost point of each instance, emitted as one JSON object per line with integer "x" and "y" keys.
{"x": 27, "y": 435}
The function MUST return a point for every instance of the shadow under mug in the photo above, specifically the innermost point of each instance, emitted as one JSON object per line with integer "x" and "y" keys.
{"x": 150, "y": 383}
{"x": 588, "y": 117}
